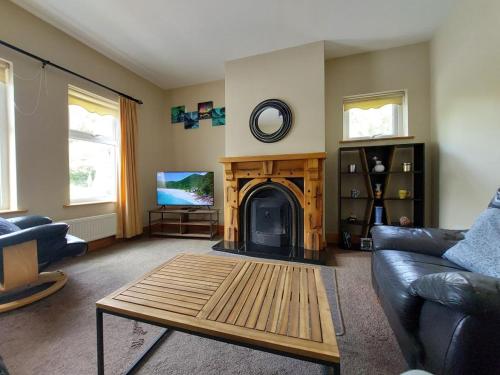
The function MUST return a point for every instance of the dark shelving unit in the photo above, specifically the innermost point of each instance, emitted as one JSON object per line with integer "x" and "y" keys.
{"x": 392, "y": 179}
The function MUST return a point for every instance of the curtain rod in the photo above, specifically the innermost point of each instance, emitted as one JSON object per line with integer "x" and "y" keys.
{"x": 47, "y": 62}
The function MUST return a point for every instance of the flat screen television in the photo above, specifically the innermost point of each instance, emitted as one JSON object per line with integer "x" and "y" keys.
{"x": 185, "y": 188}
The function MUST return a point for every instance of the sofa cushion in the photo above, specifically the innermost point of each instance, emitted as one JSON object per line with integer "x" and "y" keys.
{"x": 7, "y": 227}
{"x": 30, "y": 221}
{"x": 394, "y": 271}
{"x": 479, "y": 251}
{"x": 430, "y": 241}
{"x": 75, "y": 246}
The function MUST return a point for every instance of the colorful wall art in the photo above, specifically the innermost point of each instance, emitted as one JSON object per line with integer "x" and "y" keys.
{"x": 191, "y": 120}
{"x": 219, "y": 116}
{"x": 177, "y": 114}
{"x": 205, "y": 110}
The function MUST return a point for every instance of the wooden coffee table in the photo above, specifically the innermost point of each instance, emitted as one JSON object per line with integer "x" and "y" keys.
{"x": 278, "y": 307}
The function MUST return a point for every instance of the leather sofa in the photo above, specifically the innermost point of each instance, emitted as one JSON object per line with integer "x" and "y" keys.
{"x": 446, "y": 320}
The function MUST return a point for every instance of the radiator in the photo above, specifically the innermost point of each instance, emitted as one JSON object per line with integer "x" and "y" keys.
{"x": 93, "y": 227}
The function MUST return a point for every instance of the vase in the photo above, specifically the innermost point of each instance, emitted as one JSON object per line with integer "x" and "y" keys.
{"x": 378, "y": 215}
{"x": 379, "y": 167}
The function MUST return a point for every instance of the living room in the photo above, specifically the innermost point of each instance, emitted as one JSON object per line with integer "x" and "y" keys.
{"x": 249, "y": 187}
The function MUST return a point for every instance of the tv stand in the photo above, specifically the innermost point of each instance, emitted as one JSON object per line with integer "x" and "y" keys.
{"x": 184, "y": 222}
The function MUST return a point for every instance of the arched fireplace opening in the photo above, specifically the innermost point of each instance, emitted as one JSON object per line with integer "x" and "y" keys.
{"x": 272, "y": 221}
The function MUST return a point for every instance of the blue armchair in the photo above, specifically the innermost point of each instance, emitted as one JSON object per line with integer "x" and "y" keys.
{"x": 28, "y": 244}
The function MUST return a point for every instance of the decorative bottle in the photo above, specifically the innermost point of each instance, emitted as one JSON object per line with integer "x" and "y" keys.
{"x": 378, "y": 191}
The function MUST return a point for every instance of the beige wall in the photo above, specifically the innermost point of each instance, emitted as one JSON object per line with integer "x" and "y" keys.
{"x": 42, "y": 139}
{"x": 392, "y": 69}
{"x": 294, "y": 75}
{"x": 466, "y": 96}
{"x": 199, "y": 149}
{"x": 398, "y": 68}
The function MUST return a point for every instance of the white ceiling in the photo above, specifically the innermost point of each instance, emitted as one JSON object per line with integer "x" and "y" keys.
{"x": 176, "y": 43}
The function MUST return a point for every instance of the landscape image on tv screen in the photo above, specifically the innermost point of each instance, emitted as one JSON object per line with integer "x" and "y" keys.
{"x": 185, "y": 188}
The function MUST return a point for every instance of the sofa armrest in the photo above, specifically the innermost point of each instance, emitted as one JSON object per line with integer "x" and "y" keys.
{"x": 430, "y": 241}
{"x": 47, "y": 231}
{"x": 30, "y": 221}
{"x": 467, "y": 292}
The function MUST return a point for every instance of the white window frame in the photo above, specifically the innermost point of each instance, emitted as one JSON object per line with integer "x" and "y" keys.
{"x": 84, "y": 136}
{"x": 9, "y": 189}
{"x": 400, "y": 116}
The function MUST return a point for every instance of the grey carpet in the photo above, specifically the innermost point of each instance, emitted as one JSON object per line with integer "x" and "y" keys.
{"x": 57, "y": 335}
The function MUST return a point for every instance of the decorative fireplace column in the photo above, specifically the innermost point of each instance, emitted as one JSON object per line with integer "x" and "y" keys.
{"x": 302, "y": 174}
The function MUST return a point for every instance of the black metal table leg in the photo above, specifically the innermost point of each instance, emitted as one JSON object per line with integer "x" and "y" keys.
{"x": 139, "y": 361}
{"x": 100, "y": 343}
{"x": 333, "y": 369}
{"x": 148, "y": 352}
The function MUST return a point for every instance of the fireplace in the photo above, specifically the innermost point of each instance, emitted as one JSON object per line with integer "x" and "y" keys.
{"x": 273, "y": 206}
{"x": 270, "y": 217}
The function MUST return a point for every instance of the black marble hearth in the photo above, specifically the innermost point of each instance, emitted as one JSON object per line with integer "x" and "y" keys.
{"x": 262, "y": 251}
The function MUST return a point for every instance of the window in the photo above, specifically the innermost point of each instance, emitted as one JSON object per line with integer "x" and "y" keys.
{"x": 8, "y": 196}
{"x": 375, "y": 116}
{"x": 93, "y": 147}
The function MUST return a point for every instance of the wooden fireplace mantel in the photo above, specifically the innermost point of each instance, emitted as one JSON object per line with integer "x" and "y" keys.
{"x": 234, "y": 159}
{"x": 279, "y": 169}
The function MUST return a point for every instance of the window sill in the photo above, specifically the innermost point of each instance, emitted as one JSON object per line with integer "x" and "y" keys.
{"x": 377, "y": 139}
{"x": 18, "y": 211}
{"x": 87, "y": 203}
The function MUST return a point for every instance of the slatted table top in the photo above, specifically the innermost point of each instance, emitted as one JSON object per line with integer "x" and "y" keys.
{"x": 278, "y": 306}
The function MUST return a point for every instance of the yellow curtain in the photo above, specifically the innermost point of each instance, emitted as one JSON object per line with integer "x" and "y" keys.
{"x": 4, "y": 69}
{"x": 128, "y": 206}
{"x": 373, "y": 102}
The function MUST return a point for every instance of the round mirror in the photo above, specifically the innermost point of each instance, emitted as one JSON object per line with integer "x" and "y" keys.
{"x": 271, "y": 120}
